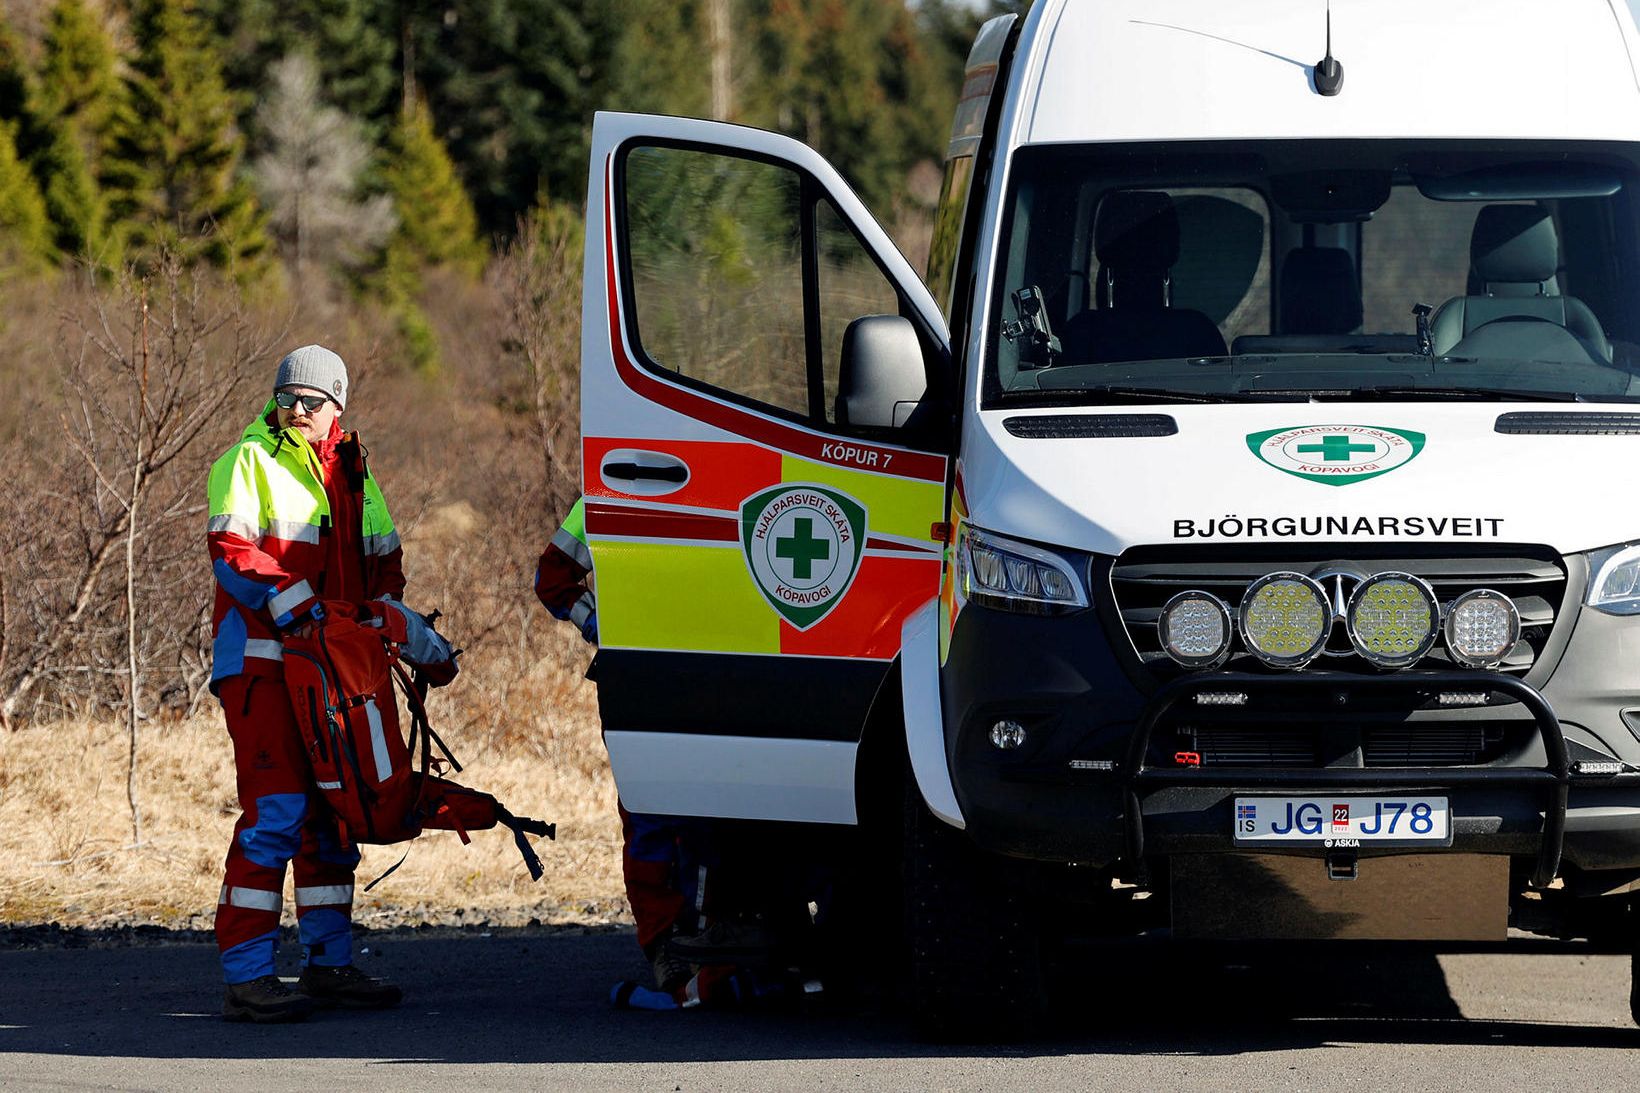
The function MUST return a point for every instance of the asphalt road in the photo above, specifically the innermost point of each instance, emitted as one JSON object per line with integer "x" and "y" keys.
{"x": 527, "y": 1010}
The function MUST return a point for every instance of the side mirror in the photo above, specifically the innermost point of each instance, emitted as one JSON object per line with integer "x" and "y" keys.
{"x": 882, "y": 379}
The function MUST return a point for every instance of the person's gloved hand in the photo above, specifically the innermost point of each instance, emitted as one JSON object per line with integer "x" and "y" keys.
{"x": 589, "y": 629}
{"x": 426, "y": 648}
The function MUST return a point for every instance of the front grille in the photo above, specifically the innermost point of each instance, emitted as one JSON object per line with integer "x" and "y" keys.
{"x": 1423, "y": 745}
{"x": 1143, "y": 579}
{"x": 1420, "y": 744}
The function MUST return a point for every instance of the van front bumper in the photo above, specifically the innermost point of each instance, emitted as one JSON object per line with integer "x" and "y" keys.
{"x": 1541, "y": 806}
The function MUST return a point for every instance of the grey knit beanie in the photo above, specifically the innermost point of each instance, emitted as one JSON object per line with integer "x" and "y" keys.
{"x": 316, "y": 367}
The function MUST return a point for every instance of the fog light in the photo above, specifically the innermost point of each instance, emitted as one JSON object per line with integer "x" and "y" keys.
{"x": 1392, "y": 619}
{"x": 1284, "y": 619}
{"x": 1195, "y": 629}
{"x": 1007, "y": 735}
{"x": 1482, "y": 626}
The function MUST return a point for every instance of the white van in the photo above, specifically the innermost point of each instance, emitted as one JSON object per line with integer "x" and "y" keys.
{"x": 1232, "y": 534}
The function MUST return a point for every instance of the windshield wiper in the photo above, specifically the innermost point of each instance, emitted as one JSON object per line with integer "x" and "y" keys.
{"x": 1114, "y": 393}
{"x": 1482, "y": 394}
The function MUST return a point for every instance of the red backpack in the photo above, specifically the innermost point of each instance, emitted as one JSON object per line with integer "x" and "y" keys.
{"x": 340, "y": 675}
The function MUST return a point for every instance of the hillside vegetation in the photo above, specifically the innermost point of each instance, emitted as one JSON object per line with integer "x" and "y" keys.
{"x": 188, "y": 188}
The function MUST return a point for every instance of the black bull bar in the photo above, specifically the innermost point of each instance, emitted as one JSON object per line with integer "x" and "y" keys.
{"x": 1553, "y": 779}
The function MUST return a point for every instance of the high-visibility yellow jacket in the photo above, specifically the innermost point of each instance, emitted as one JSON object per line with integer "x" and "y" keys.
{"x": 561, "y": 573}
{"x": 268, "y": 529}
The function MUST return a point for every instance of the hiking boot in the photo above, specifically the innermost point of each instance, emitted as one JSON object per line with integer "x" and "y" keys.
{"x": 671, "y": 971}
{"x": 725, "y": 943}
{"x": 347, "y": 987}
{"x": 265, "y": 1000}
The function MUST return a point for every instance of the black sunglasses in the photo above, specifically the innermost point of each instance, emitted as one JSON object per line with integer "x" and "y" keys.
{"x": 287, "y": 400}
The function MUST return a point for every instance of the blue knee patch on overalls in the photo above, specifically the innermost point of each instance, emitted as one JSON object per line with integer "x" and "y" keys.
{"x": 276, "y": 835}
{"x": 327, "y": 938}
{"x": 250, "y": 959}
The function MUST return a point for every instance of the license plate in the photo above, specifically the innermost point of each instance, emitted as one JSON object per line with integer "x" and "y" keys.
{"x": 1342, "y": 821}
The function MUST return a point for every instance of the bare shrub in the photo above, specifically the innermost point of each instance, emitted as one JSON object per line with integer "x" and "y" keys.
{"x": 103, "y": 610}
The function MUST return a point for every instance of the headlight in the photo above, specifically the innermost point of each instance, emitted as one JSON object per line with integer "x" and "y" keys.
{"x": 1284, "y": 619}
{"x": 1482, "y": 626}
{"x": 1615, "y": 586}
{"x": 1195, "y": 629}
{"x": 1392, "y": 619}
{"x": 1014, "y": 576}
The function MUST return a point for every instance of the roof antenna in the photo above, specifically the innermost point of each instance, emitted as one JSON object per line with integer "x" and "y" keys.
{"x": 1329, "y": 73}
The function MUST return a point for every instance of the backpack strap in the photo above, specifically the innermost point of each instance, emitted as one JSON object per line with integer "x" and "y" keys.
{"x": 520, "y": 825}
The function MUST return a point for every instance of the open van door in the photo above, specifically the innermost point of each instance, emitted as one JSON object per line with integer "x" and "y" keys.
{"x": 762, "y": 473}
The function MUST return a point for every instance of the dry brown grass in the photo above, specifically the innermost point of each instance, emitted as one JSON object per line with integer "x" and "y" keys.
{"x": 64, "y": 835}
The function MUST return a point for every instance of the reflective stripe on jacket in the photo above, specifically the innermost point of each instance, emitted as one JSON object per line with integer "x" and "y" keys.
{"x": 561, "y": 574}
{"x": 267, "y": 531}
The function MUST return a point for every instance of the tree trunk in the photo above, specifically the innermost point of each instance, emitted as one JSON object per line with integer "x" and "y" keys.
{"x": 133, "y": 704}
{"x": 722, "y": 40}
{"x": 138, "y": 480}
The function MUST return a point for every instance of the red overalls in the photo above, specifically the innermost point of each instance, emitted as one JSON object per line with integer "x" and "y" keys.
{"x": 283, "y": 818}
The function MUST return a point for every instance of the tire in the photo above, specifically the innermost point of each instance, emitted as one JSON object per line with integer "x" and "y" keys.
{"x": 975, "y": 941}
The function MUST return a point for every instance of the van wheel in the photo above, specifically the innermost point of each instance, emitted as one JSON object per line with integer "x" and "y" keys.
{"x": 976, "y": 943}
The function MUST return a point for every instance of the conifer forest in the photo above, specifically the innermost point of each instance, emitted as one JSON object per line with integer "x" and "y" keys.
{"x": 190, "y": 187}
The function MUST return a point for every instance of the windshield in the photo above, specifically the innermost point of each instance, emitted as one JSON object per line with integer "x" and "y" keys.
{"x": 1317, "y": 270}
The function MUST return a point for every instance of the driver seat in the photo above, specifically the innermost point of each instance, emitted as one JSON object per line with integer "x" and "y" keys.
{"x": 1136, "y": 239}
{"x": 1514, "y": 255}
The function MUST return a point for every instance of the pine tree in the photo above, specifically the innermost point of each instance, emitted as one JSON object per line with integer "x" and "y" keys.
{"x": 310, "y": 176}
{"x": 355, "y": 43}
{"x": 24, "y": 230}
{"x": 172, "y": 169}
{"x": 437, "y": 225}
{"x": 77, "y": 94}
{"x": 656, "y": 64}
{"x": 854, "y": 79}
{"x": 511, "y": 82}
{"x": 77, "y": 78}
{"x": 17, "y": 92}
{"x": 73, "y": 200}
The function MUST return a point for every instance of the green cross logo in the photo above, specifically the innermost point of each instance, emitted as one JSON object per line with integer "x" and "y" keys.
{"x": 1337, "y": 455}
{"x": 803, "y": 546}
{"x": 1334, "y": 448}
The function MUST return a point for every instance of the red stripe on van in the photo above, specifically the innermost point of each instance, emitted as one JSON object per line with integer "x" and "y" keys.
{"x": 660, "y": 524}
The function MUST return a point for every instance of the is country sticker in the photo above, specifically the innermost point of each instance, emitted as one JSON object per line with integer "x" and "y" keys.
{"x": 803, "y": 545}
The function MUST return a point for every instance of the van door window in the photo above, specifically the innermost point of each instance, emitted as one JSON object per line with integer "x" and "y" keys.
{"x": 947, "y": 237}
{"x": 851, "y": 285}
{"x": 716, "y": 262}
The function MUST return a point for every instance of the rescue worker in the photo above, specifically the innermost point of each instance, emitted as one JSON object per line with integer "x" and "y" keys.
{"x": 661, "y": 858}
{"x": 699, "y": 907}
{"x": 296, "y": 518}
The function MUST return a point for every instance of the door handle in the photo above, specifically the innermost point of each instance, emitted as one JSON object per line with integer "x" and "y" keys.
{"x": 641, "y": 473}
{"x": 631, "y": 472}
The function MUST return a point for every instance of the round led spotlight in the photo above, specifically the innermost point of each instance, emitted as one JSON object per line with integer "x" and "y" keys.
{"x": 1482, "y": 626}
{"x": 1195, "y": 628}
{"x": 1284, "y": 619}
{"x": 1392, "y": 619}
